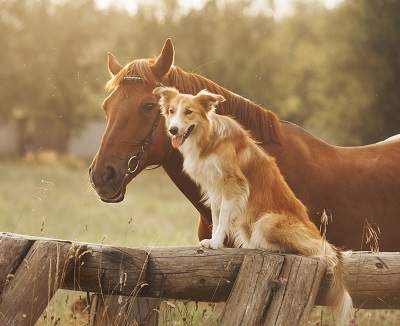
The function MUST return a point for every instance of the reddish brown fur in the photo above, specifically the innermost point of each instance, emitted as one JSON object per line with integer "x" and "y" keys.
{"x": 248, "y": 196}
{"x": 351, "y": 183}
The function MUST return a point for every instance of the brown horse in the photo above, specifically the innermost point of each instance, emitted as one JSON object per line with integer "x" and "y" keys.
{"x": 355, "y": 185}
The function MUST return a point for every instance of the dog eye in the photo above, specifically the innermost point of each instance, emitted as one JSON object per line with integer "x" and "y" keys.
{"x": 149, "y": 106}
{"x": 187, "y": 111}
{"x": 171, "y": 111}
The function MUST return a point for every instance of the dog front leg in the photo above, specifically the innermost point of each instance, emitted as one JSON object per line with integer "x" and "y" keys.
{"x": 215, "y": 211}
{"x": 224, "y": 221}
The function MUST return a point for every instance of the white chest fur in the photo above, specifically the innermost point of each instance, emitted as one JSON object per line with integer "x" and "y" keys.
{"x": 205, "y": 171}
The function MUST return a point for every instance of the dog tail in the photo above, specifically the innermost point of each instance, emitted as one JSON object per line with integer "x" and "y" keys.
{"x": 338, "y": 298}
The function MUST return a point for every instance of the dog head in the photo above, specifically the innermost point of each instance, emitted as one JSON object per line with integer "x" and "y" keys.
{"x": 185, "y": 114}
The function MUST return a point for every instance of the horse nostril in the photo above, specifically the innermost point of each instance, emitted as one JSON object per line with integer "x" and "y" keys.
{"x": 109, "y": 174}
{"x": 173, "y": 130}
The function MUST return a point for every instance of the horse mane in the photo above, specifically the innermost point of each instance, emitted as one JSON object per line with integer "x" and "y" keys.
{"x": 263, "y": 124}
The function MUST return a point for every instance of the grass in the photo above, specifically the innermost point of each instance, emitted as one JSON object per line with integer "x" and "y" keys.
{"x": 56, "y": 200}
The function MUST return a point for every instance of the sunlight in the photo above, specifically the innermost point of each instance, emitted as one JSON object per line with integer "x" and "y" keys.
{"x": 282, "y": 7}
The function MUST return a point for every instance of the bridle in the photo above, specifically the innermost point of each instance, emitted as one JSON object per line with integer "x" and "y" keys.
{"x": 135, "y": 159}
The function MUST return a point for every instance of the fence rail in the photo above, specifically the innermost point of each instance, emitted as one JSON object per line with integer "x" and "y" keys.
{"x": 33, "y": 268}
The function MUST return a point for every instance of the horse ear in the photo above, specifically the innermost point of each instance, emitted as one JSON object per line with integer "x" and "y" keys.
{"x": 208, "y": 100}
{"x": 114, "y": 67}
{"x": 165, "y": 60}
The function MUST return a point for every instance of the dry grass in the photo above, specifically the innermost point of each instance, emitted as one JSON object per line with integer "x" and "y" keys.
{"x": 56, "y": 200}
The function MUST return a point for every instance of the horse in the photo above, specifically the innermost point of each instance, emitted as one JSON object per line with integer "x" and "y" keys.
{"x": 354, "y": 189}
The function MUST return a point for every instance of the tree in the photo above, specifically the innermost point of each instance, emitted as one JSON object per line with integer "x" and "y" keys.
{"x": 336, "y": 72}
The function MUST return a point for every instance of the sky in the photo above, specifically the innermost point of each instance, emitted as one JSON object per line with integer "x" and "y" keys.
{"x": 282, "y": 7}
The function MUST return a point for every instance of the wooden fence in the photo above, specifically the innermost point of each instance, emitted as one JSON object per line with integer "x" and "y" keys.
{"x": 259, "y": 288}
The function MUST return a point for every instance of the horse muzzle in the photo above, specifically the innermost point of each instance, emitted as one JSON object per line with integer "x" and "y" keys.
{"x": 108, "y": 182}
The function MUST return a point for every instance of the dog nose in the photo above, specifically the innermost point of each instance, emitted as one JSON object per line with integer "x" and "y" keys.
{"x": 173, "y": 130}
{"x": 109, "y": 174}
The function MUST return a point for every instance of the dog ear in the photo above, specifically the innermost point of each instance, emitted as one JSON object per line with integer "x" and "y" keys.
{"x": 208, "y": 100}
{"x": 166, "y": 94}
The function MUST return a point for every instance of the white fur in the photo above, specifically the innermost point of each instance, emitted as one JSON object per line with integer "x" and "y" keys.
{"x": 391, "y": 139}
{"x": 228, "y": 196}
{"x": 205, "y": 172}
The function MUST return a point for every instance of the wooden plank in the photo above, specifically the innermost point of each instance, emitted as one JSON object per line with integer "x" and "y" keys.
{"x": 298, "y": 286}
{"x": 109, "y": 270}
{"x": 252, "y": 290}
{"x": 207, "y": 275}
{"x": 184, "y": 273}
{"x": 373, "y": 280}
{"x": 37, "y": 278}
{"x": 100, "y": 268}
{"x": 12, "y": 251}
{"x": 114, "y": 310}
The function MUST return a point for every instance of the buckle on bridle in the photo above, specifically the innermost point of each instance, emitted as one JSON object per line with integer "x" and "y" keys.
{"x": 136, "y": 158}
{"x": 129, "y": 170}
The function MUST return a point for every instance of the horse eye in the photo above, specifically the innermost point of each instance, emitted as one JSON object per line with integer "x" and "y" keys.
{"x": 149, "y": 106}
{"x": 187, "y": 111}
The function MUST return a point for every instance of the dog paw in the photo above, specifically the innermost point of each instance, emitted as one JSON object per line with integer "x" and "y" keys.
{"x": 211, "y": 244}
{"x": 206, "y": 243}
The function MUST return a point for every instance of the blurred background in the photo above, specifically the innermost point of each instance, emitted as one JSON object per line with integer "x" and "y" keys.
{"x": 331, "y": 66}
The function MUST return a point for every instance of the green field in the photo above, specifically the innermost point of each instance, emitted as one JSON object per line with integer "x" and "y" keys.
{"x": 56, "y": 200}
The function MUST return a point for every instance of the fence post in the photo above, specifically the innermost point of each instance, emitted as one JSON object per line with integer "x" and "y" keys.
{"x": 298, "y": 287}
{"x": 37, "y": 278}
{"x": 114, "y": 310}
{"x": 12, "y": 252}
{"x": 273, "y": 290}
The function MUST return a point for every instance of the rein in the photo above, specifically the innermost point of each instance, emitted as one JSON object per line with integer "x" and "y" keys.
{"x": 136, "y": 158}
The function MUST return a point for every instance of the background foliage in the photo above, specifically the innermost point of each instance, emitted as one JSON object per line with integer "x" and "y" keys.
{"x": 336, "y": 72}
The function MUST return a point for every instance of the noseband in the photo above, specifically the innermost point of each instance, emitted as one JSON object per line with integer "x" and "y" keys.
{"x": 136, "y": 158}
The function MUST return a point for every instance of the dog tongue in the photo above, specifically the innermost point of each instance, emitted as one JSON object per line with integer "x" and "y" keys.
{"x": 176, "y": 141}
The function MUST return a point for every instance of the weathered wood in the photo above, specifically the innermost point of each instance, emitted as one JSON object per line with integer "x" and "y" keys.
{"x": 114, "y": 310}
{"x": 298, "y": 285}
{"x": 184, "y": 273}
{"x": 201, "y": 274}
{"x": 109, "y": 270}
{"x": 37, "y": 278}
{"x": 100, "y": 268}
{"x": 145, "y": 311}
{"x": 373, "y": 279}
{"x": 208, "y": 275}
{"x": 253, "y": 290}
{"x": 12, "y": 251}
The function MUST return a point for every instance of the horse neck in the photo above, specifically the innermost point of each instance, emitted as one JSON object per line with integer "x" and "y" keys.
{"x": 263, "y": 124}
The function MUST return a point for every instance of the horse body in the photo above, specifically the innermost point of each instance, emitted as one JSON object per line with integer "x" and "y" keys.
{"x": 356, "y": 186}
{"x": 352, "y": 184}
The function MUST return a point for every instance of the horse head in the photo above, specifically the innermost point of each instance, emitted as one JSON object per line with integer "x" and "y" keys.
{"x": 135, "y": 135}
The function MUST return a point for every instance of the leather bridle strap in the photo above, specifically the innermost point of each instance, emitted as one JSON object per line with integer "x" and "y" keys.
{"x": 135, "y": 159}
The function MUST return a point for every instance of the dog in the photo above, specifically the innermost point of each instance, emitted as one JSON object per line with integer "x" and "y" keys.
{"x": 250, "y": 201}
